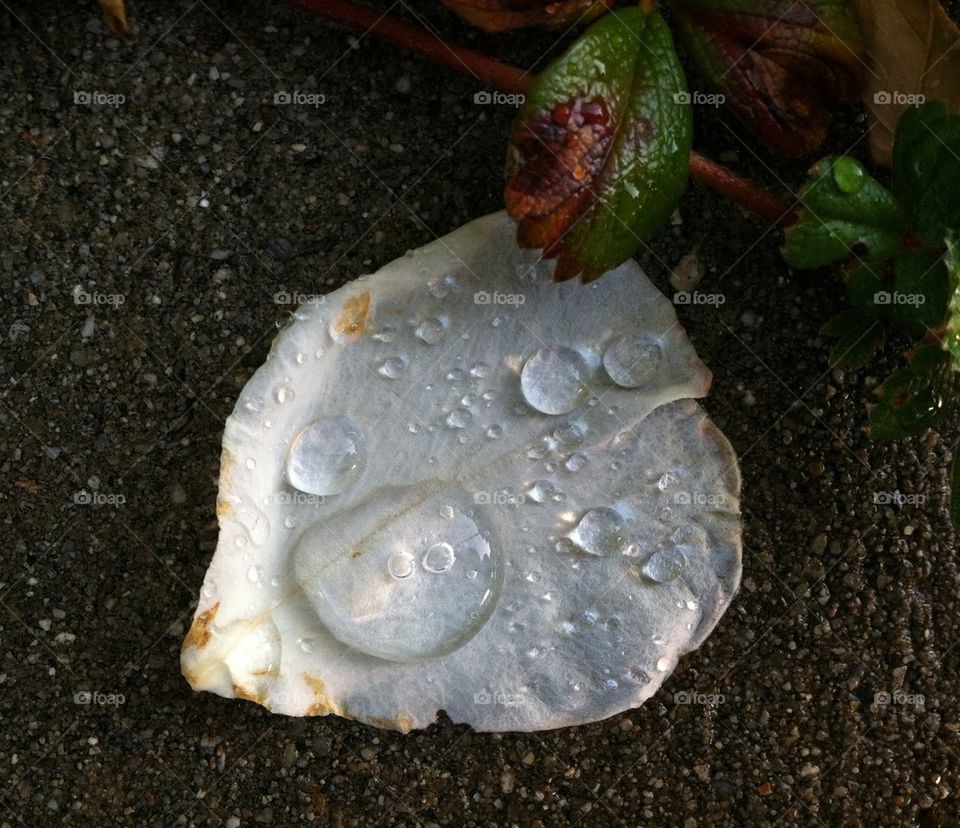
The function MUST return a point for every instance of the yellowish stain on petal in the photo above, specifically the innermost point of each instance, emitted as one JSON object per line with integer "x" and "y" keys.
{"x": 322, "y": 705}
{"x": 200, "y": 632}
{"x": 241, "y": 692}
{"x": 353, "y": 320}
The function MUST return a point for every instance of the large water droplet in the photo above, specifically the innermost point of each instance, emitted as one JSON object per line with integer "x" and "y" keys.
{"x": 664, "y": 565}
{"x": 540, "y": 491}
{"x": 600, "y": 531}
{"x": 284, "y": 393}
{"x": 632, "y": 359}
{"x": 459, "y": 418}
{"x": 554, "y": 379}
{"x": 419, "y": 591}
{"x": 327, "y": 457}
{"x": 849, "y": 175}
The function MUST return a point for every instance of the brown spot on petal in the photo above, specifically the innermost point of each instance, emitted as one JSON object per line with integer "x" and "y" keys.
{"x": 322, "y": 705}
{"x": 241, "y": 692}
{"x": 353, "y": 319}
{"x": 200, "y": 632}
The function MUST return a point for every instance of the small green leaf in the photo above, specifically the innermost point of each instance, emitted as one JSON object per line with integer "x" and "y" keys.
{"x": 951, "y": 334}
{"x": 860, "y": 337}
{"x": 600, "y": 152}
{"x": 926, "y": 170}
{"x": 917, "y": 301}
{"x": 865, "y": 282}
{"x": 917, "y": 397}
{"x": 845, "y": 212}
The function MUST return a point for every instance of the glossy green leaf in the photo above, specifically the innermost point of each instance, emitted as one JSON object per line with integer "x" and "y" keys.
{"x": 917, "y": 397}
{"x": 845, "y": 212}
{"x": 860, "y": 336}
{"x": 926, "y": 170}
{"x": 917, "y": 301}
{"x": 600, "y": 151}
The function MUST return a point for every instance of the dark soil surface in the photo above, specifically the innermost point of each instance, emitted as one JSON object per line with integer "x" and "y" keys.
{"x": 181, "y": 210}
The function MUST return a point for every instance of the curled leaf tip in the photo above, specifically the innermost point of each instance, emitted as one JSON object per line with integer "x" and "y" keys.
{"x": 504, "y": 15}
{"x": 782, "y": 67}
{"x": 115, "y": 16}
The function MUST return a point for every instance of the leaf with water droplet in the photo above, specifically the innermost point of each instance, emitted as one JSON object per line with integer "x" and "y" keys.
{"x": 599, "y": 154}
{"x": 839, "y": 221}
{"x": 440, "y": 543}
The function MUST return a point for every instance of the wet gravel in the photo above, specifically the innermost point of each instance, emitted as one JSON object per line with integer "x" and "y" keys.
{"x": 156, "y": 198}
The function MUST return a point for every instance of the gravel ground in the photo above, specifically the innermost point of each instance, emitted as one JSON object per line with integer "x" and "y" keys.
{"x": 179, "y": 211}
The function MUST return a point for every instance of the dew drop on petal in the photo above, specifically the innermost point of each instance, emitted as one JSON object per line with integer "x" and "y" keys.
{"x": 600, "y": 531}
{"x": 554, "y": 379}
{"x": 664, "y": 565}
{"x": 439, "y": 558}
{"x": 327, "y": 457}
{"x": 401, "y": 565}
{"x": 391, "y": 368}
{"x": 430, "y": 331}
{"x": 632, "y": 360}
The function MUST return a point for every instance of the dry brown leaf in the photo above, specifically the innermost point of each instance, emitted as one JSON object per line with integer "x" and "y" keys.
{"x": 913, "y": 51}
{"x": 115, "y": 16}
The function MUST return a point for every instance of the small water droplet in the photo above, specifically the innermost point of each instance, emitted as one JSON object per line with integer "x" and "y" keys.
{"x": 540, "y": 491}
{"x": 439, "y": 558}
{"x": 600, "y": 531}
{"x": 251, "y": 463}
{"x": 301, "y": 358}
{"x": 456, "y": 375}
{"x": 472, "y": 574}
{"x": 575, "y": 462}
{"x": 254, "y": 574}
{"x": 284, "y": 393}
{"x": 553, "y": 379}
{"x": 392, "y": 368}
{"x": 441, "y": 286}
{"x": 632, "y": 359}
{"x": 459, "y": 418}
{"x": 480, "y": 370}
{"x": 447, "y": 512}
{"x": 385, "y": 334}
{"x": 664, "y": 565}
{"x": 430, "y": 331}
{"x": 305, "y": 644}
{"x": 401, "y": 565}
{"x": 494, "y": 432}
{"x": 663, "y": 664}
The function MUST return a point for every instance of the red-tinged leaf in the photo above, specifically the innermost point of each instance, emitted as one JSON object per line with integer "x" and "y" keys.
{"x": 503, "y": 15}
{"x": 783, "y": 66}
{"x": 599, "y": 154}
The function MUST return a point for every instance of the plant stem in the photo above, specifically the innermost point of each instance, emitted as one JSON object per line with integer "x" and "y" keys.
{"x": 511, "y": 79}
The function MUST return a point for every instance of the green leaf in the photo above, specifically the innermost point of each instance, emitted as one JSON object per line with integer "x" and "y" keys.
{"x": 926, "y": 170}
{"x": 845, "y": 211}
{"x": 951, "y": 334}
{"x": 600, "y": 152}
{"x": 917, "y": 301}
{"x": 860, "y": 337}
{"x": 917, "y": 397}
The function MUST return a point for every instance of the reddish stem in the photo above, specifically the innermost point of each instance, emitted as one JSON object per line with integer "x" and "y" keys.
{"x": 510, "y": 79}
